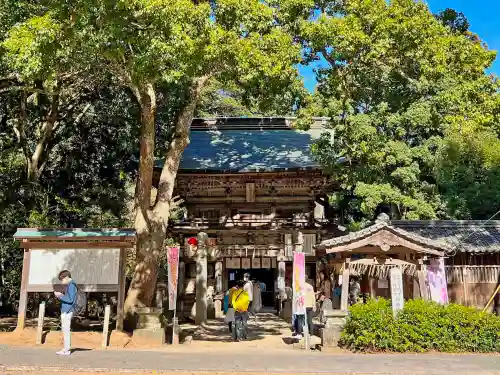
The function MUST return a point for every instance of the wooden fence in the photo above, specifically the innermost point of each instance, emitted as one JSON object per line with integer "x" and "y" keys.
{"x": 473, "y": 274}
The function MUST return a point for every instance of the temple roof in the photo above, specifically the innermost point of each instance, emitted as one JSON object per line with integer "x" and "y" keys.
{"x": 249, "y": 145}
{"x": 472, "y": 236}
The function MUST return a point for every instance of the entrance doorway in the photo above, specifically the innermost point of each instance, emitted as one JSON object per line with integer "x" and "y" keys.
{"x": 262, "y": 275}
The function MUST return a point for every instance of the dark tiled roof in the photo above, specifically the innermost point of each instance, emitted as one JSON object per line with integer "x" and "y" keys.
{"x": 472, "y": 236}
{"x": 383, "y": 225}
{"x": 249, "y": 145}
{"x": 465, "y": 236}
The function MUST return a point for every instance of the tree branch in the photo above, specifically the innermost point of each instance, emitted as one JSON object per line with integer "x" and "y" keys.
{"x": 45, "y": 137}
{"x": 174, "y": 153}
{"x": 19, "y": 128}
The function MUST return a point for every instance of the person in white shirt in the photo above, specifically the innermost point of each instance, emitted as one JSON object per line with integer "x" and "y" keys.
{"x": 248, "y": 287}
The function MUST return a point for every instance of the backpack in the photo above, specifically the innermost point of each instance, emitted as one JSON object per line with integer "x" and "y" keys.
{"x": 241, "y": 302}
{"x": 80, "y": 302}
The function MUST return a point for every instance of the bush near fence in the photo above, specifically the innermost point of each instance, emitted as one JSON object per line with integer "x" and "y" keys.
{"x": 420, "y": 327}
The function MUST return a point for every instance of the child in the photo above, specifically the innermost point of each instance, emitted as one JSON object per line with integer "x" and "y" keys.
{"x": 67, "y": 308}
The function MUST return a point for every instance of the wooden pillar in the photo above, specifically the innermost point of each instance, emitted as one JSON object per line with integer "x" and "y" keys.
{"x": 344, "y": 297}
{"x": 180, "y": 289}
{"x": 424, "y": 291}
{"x": 120, "y": 316}
{"x": 23, "y": 296}
{"x": 201, "y": 279}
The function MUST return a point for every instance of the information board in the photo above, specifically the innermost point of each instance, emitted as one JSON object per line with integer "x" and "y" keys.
{"x": 97, "y": 267}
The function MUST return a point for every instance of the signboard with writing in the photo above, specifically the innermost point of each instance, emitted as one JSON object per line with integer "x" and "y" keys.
{"x": 298, "y": 283}
{"x": 397, "y": 296}
{"x": 266, "y": 262}
{"x": 256, "y": 263}
{"x": 245, "y": 263}
{"x": 383, "y": 283}
{"x": 173, "y": 275}
{"x": 94, "y": 268}
{"x": 436, "y": 278}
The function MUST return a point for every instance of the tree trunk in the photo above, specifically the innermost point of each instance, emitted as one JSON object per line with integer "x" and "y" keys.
{"x": 151, "y": 222}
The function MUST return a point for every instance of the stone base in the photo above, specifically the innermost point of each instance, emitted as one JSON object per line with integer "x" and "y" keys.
{"x": 155, "y": 336}
{"x": 149, "y": 325}
{"x": 334, "y": 323}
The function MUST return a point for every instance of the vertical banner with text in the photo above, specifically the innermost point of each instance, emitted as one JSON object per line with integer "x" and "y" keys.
{"x": 173, "y": 275}
{"x": 436, "y": 278}
{"x": 299, "y": 279}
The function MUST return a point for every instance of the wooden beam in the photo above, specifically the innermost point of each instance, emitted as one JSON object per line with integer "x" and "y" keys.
{"x": 41, "y": 317}
{"x": 344, "y": 297}
{"x": 87, "y": 288}
{"x": 75, "y": 245}
{"x": 23, "y": 296}
{"x": 384, "y": 261}
{"x": 128, "y": 239}
{"x": 121, "y": 290}
{"x": 424, "y": 291}
{"x": 105, "y": 331}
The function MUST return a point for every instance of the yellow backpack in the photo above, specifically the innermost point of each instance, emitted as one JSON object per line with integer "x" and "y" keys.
{"x": 240, "y": 300}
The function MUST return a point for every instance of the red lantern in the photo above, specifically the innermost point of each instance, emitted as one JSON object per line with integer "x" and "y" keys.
{"x": 193, "y": 241}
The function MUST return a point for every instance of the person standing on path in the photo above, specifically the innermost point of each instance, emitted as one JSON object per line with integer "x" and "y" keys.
{"x": 248, "y": 287}
{"x": 310, "y": 302}
{"x": 67, "y": 308}
{"x": 240, "y": 302}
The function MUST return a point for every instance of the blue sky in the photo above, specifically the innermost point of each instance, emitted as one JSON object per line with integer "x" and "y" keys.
{"x": 484, "y": 19}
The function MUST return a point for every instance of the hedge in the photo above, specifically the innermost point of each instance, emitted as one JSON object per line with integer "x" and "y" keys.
{"x": 420, "y": 327}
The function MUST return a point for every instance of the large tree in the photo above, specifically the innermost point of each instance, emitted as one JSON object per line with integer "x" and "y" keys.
{"x": 179, "y": 44}
{"x": 396, "y": 81}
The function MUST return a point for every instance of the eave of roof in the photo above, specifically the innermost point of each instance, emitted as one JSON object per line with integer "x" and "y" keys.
{"x": 72, "y": 233}
{"x": 379, "y": 226}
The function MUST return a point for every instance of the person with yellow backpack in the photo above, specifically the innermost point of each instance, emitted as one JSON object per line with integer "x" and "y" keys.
{"x": 240, "y": 300}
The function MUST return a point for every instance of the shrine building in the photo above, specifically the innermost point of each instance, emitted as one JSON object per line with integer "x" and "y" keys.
{"x": 252, "y": 185}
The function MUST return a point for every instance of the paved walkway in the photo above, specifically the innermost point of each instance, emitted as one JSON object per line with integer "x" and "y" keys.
{"x": 294, "y": 361}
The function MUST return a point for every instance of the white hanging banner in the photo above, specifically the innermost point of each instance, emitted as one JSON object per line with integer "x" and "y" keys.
{"x": 173, "y": 275}
{"x": 436, "y": 278}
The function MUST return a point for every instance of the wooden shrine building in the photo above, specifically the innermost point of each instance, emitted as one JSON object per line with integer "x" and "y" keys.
{"x": 252, "y": 185}
{"x": 470, "y": 250}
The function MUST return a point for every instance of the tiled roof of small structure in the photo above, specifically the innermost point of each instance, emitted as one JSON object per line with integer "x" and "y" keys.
{"x": 249, "y": 145}
{"x": 76, "y": 233}
{"x": 471, "y": 236}
{"x": 384, "y": 225}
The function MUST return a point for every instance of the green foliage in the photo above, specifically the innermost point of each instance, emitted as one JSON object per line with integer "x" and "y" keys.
{"x": 396, "y": 83}
{"x": 468, "y": 173}
{"x": 420, "y": 327}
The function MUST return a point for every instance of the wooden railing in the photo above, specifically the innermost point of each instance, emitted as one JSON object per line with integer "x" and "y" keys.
{"x": 473, "y": 274}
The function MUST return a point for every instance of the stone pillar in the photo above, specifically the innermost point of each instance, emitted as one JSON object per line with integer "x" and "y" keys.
{"x": 334, "y": 323}
{"x": 344, "y": 297}
{"x": 201, "y": 279}
{"x": 218, "y": 277}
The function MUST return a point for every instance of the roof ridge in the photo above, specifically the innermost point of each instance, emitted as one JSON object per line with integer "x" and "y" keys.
{"x": 447, "y": 223}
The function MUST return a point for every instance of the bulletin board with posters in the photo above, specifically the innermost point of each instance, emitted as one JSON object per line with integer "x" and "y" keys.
{"x": 95, "y": 258}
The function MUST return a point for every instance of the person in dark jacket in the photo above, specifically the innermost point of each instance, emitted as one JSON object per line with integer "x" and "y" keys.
{"x": 67, "y": 300}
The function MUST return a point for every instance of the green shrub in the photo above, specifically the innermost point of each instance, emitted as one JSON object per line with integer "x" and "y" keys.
{"x": 421, "y": 326}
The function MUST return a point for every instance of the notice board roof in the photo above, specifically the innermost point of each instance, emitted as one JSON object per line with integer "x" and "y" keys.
{"x": 74, "y": 233}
